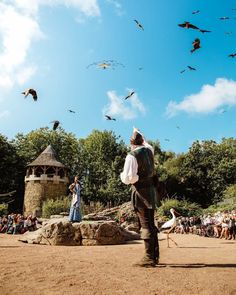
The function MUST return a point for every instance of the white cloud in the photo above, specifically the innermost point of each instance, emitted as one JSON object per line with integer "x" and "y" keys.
{"x": 125, "y": 109}
{"x": 209, "y": 99}
{"x": 19, "y": 28}
{"x": 24, "y": 74}
{"x": 4, "y": 114}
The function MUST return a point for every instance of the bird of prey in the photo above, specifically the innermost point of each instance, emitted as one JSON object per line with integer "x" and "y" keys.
{"x": 32, "y": 92}
{"x": 195, "y": 11}
{"x": 191, "y": 68}
{"x": 232, "y": 55}
{"x": 106, "y": 64}
{"x": 196, "y": 45}
{"x": 139, "y": 25}
{"x": 55, "y": 124}
{"x": 110, "y": 118}
{"x": 130, "y": 94}
{"x": 188, "y": 25}
{"x": 224, "y": 18}
{"x": 71, "y": 111}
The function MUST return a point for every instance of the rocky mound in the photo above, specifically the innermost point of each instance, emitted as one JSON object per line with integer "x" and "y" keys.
{"x": 60, "y": 231}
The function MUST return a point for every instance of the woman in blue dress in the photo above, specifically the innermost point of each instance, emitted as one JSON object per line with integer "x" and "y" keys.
{"x": 75, "y": 188}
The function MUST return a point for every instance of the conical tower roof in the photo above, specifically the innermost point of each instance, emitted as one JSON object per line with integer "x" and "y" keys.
{"x": 47, "y": 158}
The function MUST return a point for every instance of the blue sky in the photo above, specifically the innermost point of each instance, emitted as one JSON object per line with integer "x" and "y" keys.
{"x": 47, "y": 45}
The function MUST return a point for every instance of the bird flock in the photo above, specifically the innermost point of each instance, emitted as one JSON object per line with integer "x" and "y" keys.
{"x": 112, "y": 64}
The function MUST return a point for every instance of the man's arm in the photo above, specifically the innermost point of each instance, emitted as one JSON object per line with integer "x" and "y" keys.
{"x": 129, "y": 174}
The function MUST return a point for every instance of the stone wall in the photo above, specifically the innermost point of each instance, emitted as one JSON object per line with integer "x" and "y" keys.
{"x": 36, "y": 193}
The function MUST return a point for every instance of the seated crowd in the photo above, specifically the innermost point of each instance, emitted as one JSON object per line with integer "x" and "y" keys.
{"x": 218, "y": 225}
{"x": 17, "y": 224}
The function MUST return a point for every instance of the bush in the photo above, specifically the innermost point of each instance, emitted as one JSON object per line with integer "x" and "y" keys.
{"x": 53, "y": 207}
{"x": 185, "y": 208}
{"x": 3, "y": 209}
{"x": 221, "y": 208}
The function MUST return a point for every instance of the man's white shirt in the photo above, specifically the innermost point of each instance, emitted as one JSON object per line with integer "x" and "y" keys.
{"x": 129, "y": 174}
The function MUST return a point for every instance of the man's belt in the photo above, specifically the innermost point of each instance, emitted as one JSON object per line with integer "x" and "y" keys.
{"x": 144, "y": 183}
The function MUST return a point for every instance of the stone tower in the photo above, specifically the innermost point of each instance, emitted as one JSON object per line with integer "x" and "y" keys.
{"x": 46, "y": 178}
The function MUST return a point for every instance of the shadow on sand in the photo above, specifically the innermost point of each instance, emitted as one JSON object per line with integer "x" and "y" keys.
{"x": 197, "y": 265}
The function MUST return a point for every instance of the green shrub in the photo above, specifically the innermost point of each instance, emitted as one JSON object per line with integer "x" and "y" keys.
{"x": 221, "y": 208}
{"x": 53, "y": 207}
{"x": 185, "y": 208}
{"x": 3, "y": 209}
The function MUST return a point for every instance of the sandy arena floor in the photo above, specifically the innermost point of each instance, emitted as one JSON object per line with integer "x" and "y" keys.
{"x": 198, "y": 266}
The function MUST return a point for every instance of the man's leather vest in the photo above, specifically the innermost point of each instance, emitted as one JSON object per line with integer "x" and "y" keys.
{"x": 143, "y": 191}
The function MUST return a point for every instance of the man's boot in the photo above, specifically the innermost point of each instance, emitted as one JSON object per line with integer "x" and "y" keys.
{"x": 148, "y": 260}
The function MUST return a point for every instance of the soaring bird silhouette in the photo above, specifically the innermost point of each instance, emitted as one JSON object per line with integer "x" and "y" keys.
{"x": 55, "y": 124}
{"x": 224, "y": 18}
{"x": 106, "y": 64}
{"x": 196, "y": 45}
{"x": 188, "y": 25}
{"x": 130, "y": 94}
{"x": 167, "y": 139}
{"x": 195, "y": 11}
{"x": 191, "y": 68}
{"x": 71, "y": 111}
{"x": 170, "y": 225}
{"x": 139, "y": 25}
{"x": 110, "y": 118}
{"x": 32, "y": 92}
{"x": 232, "y": 55}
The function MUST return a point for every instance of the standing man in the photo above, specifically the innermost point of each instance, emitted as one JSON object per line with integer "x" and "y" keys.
{"x": 139, "y": 171}
{"x": 75, "y": 188}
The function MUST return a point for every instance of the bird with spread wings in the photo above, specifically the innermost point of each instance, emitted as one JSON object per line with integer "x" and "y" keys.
{"x": 32, "y": 92}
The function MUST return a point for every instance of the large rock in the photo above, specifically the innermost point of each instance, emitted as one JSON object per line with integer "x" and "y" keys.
{"x": 109, "y": 233}
{"x": 88, "y": 233}
{"x": 55, "y": 232}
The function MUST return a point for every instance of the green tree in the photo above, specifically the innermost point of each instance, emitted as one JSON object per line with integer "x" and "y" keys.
{"x": 11, "y": 172}
{"x": 104, "y": 155}
{"x": 66, "y": 146}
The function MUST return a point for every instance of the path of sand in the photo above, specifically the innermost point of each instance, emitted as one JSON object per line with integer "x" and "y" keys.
{"x": 198, "y": 266}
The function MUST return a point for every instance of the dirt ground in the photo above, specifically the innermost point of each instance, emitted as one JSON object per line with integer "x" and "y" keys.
{"x": 198, "y": 266}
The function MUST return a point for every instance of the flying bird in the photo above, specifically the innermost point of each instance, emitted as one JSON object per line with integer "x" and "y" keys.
{"x": 195, "y": 11}
{"x": 191, "y": 68}
{"x": 55, "y": 124}
{"x": 71, "y": 111}
{"x": 130, "y": 94}
{"x": 170, "y": 225}
{"x": 196, "y": 45}
{"x": 224, "y": 18}
{"x": 167, "y": 139}
{"x": 106, "y": 64}
{"x": 32, "y": 92}
{"x": 232, "y": 55}
{"x": 188, "y": 25}
{"x": 110, "y": 118}
{"x": 177, "y": 127}
{"x": 139, "y": 25}
{"x": 228, "y": 33}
